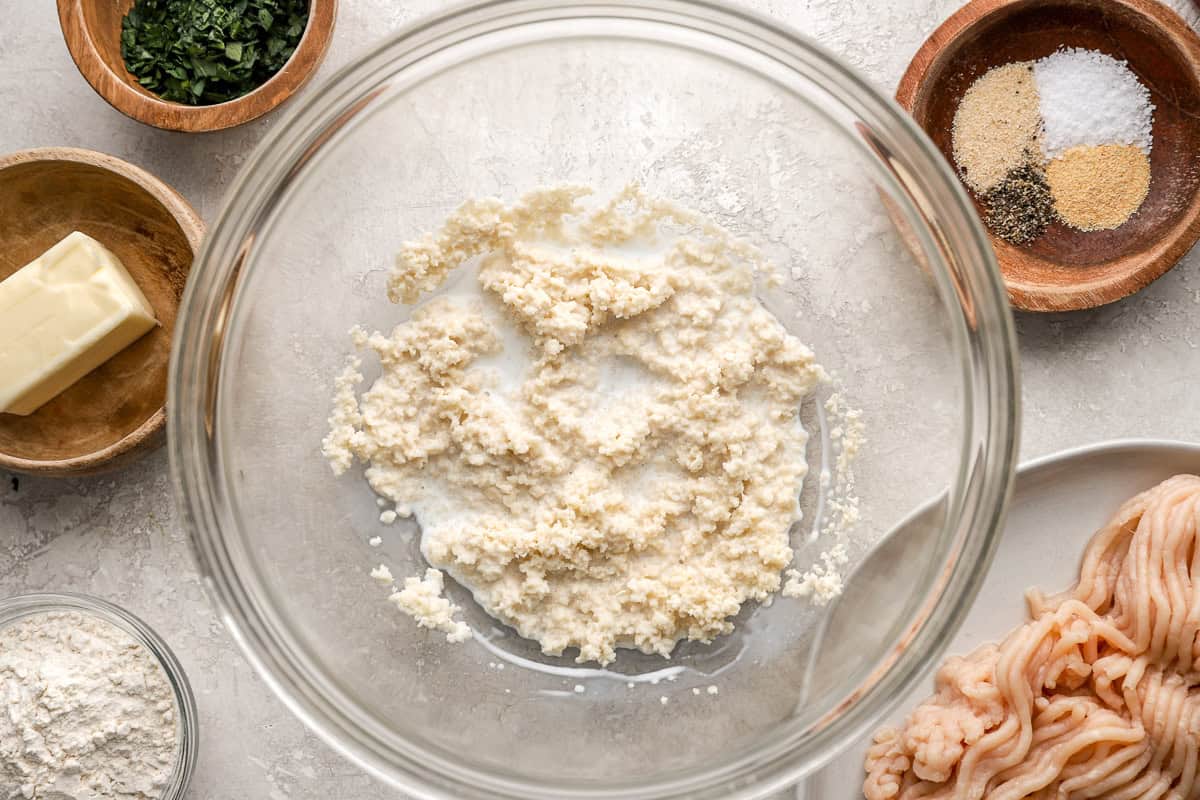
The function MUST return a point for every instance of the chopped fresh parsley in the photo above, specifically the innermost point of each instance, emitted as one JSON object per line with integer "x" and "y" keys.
{"x": 202, "y": 52}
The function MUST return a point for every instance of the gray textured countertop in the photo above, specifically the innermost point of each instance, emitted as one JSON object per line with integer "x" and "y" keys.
{"x": 1128, "y": 370}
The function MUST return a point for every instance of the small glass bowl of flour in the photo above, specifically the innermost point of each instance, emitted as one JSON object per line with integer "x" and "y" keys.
{"x": 95, "y": 705}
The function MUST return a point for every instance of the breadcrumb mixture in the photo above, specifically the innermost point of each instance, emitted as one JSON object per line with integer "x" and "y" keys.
{"x": 638, "y": 484}
{"x": 421, "y": 599}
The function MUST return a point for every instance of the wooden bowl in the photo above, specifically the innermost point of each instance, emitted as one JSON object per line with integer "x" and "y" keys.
{"x": 1068, "y": 269}
{"x": 115, "y": 412}
{"x": 92, "y": 29}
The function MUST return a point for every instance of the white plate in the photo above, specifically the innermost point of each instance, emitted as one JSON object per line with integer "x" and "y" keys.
{"x": 1058, "y": 503}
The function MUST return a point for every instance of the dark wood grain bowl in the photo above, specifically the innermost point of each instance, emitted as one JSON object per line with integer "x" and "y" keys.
{"x": 92, "y": 29}
{"x": 116, "y": 412}
{"x": 1067, "y": 269}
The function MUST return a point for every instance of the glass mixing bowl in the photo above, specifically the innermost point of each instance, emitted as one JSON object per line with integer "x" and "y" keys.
{"x": 890, "y": 280}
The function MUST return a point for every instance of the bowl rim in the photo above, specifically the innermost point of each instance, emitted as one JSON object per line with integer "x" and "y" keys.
{"x": 151, "y": 432}
{"x": 932, "y": 197}
{"x": 1143, "y": 270}
{"x": 152, "y": 110}
{"x": 17, "y": 607}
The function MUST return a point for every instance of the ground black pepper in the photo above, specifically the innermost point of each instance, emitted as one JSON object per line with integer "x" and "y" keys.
{"x": 1020, "y": 207}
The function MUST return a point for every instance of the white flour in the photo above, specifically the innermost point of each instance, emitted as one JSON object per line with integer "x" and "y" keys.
{"x": 87, "y": 712}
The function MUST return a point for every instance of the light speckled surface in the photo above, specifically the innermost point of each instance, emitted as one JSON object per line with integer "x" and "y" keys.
{"x": 1126, "y": 370}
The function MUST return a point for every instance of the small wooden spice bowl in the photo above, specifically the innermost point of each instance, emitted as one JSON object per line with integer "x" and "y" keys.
{"x": 117, "y": 411}
{"x": 92, "y": 29}
{"x": 1066, "y": 269}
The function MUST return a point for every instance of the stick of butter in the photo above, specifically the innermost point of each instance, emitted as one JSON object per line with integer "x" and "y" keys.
{"x": 63, "y": 315}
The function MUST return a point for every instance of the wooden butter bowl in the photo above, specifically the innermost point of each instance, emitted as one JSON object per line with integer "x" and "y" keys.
{"x": 117, "y": 411}
{"x": 92, "y": 29}
{"x": 1067, "y": 269}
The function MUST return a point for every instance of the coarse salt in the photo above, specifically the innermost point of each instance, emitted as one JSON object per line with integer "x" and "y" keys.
{"x": 1089, "y": 98}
